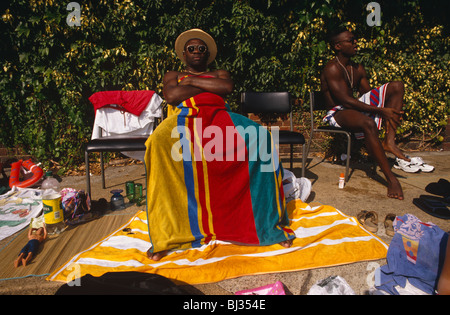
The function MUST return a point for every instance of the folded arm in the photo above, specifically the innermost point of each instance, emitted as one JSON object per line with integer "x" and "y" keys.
{"x": 175, "y": 92}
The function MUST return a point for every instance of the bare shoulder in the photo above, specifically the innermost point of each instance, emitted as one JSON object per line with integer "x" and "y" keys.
{"x": 331, "y": 69}
{"x": 170, "y": 75}
{"x": 220, "y": 73}
{"x": 359, "y": 68}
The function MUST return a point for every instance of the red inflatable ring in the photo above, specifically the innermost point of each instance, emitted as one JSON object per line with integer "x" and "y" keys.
{"x": 15, "y": 173}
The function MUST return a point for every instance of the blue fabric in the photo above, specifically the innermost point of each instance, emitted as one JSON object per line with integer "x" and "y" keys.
{"x": 31, "y": 247}
{"x": 416, "y": 253}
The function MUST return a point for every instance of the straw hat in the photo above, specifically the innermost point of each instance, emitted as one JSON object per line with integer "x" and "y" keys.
{"x": 196, "y": 33}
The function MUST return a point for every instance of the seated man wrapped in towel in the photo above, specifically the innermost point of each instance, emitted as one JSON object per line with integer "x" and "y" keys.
{"x": 211, "y": 174}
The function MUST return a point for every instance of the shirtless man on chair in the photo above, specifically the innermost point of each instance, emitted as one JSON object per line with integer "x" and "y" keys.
{"x": 341, "y": 78}
{"x": 196, "y": 49}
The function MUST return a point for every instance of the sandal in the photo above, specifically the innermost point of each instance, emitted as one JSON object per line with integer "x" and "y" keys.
{"x": 433, "y": 207}
{"x": 369, "y": 220}
{"x": 389, "y": 224}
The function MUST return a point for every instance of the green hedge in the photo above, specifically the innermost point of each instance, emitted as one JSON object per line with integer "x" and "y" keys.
{"x": 49, "y": 69}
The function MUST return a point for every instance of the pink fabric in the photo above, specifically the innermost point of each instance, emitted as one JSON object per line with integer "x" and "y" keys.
{"x": 270, "y": 289}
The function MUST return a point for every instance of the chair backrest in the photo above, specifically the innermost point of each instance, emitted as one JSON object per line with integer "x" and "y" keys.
{"x": 317, "y": 100}
{"x": 266, "y": 102}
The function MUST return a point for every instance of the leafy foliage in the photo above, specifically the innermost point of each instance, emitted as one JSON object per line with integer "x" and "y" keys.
{"x": 49, "y": 69}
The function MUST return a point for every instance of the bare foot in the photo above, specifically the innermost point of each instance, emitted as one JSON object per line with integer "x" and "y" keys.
{"x": 392, "y": 148}
{"x": 395, "y": 190}
{"x": 18, "y": 261}
{"x": 27, "y": 259}
{"x": 156, "y": 256}
{"x": 286, "y": 244}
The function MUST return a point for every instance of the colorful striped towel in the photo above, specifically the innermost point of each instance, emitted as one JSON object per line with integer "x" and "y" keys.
{"x": 324, "y": 237}
{"x": 213, "y": 175}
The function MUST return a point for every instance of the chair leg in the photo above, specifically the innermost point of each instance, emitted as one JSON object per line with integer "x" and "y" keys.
{"x": 306, "y": 147}
{"x": 304, "y": 156}
{"x": 88, "y": 175}
{"x": 103, "y": 170}
{"x": 292, "y": 156}
{"x": 349, "y": 146}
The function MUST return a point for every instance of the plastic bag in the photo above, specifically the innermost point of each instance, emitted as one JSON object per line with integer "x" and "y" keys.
{"x": 333, "y": 285}
{"x": 76, "y": 205}
{"x": 295, "y": 188}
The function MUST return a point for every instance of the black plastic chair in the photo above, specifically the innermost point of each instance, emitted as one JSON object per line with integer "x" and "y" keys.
{"x": 110, "y": 144}
{"x": 317, "y": 102}
{"x": 117, "y": 143}
{"x": 275, "y": 103}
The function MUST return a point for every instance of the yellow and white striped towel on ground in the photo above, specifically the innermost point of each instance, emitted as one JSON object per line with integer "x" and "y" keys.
{"x": 324, "y": 237}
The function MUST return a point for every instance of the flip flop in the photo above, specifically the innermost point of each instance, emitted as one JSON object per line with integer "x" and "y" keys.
{"x": 389, "y": 224}
{"x": 444, "y": 200}
{"x": 369, "y": 220}
{"x": 441, "y": 188}
{"x": 433, "y": 207}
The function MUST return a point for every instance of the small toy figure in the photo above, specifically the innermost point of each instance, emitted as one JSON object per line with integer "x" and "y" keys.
{"x": 36, "y": 237}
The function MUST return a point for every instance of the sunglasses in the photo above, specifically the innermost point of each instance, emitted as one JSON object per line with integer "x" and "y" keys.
{"x": 351, "y": 40}
{"x": 201, "y": 48}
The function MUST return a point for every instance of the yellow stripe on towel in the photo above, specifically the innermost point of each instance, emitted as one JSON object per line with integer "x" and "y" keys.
{"x": 325, "y": 237}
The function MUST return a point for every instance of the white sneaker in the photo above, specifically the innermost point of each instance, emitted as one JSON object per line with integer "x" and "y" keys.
{"x": 417, "y": 161}
{"x": 406, "y": 166}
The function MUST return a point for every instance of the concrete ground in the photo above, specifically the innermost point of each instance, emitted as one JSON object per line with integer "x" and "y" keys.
{"x": 363, "y": 191}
